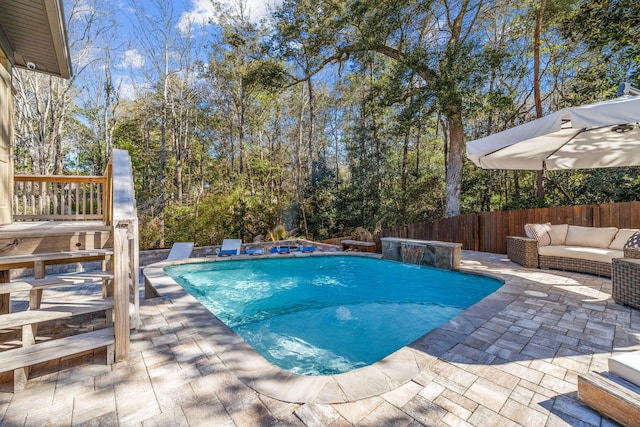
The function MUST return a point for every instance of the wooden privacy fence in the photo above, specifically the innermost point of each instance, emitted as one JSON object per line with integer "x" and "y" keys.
{"x": 488, "y": 231}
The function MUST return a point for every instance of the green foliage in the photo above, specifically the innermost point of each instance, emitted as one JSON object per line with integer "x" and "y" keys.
{"x": 611, "y": 27}
{"x": 338, "y": 116}
{"x": 267, "y": 74}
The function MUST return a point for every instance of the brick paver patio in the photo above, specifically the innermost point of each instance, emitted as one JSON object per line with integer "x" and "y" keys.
{"x": 512, "y": 359}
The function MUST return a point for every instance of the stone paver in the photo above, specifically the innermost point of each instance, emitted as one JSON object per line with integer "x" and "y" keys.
{"x": 513, "y": 359}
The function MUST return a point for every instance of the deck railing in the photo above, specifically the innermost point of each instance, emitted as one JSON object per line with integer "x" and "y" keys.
{"x": 59, "y": 198}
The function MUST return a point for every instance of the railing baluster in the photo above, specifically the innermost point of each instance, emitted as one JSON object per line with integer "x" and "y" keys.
{"x": 31, "y": 198}
{"x": 25, "y": 190}
{"x": 41, "y": 188}
{"x": 55, "y": 198}
{"x": 99, "y": 199}
{"x": 70, "y": 196}
{"x": 47, "y": 200}
{"x": 83, "y": 195}
{"x": 92, "y": 187}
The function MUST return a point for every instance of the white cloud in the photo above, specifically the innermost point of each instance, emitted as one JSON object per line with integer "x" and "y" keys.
{"x": 130, "y": 90}
{"x": 132, "y": 58}
{"x": 257, "y": 9}
{"x": 199, "y": 15}
{"x": 203, "y": 10}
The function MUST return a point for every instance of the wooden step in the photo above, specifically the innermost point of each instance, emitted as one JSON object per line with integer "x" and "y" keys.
{"x": 55, "y": 349}
{"x": 53, "y": 281}
{"x": 613, "y": 397}
{"x": 58, "y": 311}
{"x": 50, "y": 258}
{"x": 50, "y": 236}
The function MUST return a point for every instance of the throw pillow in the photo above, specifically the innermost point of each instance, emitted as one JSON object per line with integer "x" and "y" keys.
{"x": 634, "y": 241}
{"x": 540, "y": 232}
{"x": 622, "y": 238}
{"x": 558, "y": 234}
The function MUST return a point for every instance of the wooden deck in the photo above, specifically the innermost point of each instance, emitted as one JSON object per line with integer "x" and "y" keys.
{"x": 21, "y": 238}
{"x": 70, "y": 220}
{"x": 27, "y": 228}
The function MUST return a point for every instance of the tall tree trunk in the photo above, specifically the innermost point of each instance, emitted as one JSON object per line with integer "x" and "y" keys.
{"x": 299, "y": 144}
{"x": 311, "y": 129}
{"x": 418, "y": 143}
{"x": 536, "y": 88}
{"x": 163, "y": 147}
{"x": 454, "y": 160}
{"x": 241, "y": 128}
{"x": 405, "y": 161}
{"x": 57, "y": 126}
{"x": 297, "y": 148}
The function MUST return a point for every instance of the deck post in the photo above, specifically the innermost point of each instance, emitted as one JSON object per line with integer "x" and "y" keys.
{"x": 121, "y": 256}
{"x": 123, "y": 218}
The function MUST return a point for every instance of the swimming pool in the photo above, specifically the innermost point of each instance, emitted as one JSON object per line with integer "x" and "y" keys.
{"x": 324, "y": 315}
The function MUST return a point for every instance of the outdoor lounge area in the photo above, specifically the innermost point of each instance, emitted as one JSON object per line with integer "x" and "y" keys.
{"x": 573, "y": 248}
{"x": 512, "y": 359}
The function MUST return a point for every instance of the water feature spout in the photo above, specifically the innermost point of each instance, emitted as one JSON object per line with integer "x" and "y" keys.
{"x": 413, "y": 253}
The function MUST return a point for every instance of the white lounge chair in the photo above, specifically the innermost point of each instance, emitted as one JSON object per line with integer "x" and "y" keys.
{"x": 230, "y": 247}
{"x": 180, "y": 250}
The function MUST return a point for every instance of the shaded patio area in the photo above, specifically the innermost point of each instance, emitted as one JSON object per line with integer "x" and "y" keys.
{"x": 512, "y": 359}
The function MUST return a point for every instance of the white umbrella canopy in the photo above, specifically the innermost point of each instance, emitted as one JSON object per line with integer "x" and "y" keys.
{"x": 600, "y": 135}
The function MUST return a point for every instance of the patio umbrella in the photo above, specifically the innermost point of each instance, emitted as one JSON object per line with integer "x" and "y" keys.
{"x": 600, "y": 135}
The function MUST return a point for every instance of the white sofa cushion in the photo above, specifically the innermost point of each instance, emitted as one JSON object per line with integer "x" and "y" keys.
{"x": 621, "y": 238}
{"x": 594, "y": 237}
{"x": 558, "y": 234}
{"x": 581, "y": 252}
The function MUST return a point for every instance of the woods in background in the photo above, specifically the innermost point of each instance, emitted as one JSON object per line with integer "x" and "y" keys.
{"x": 328, "y": 115}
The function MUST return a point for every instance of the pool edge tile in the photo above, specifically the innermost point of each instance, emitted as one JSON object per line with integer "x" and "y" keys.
{"x": 280, "y": 384}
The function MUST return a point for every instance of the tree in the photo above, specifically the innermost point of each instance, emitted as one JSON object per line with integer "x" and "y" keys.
{"x": 610, "y": 27}
{"x": 44, "y": 103}
{"x": 432, "y": 39}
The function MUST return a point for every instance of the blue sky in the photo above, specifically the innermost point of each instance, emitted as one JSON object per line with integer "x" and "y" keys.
{"x": 131, "y": 49}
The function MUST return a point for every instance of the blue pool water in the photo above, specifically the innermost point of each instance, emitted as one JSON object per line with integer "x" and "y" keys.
{"x": 329, "y": 314}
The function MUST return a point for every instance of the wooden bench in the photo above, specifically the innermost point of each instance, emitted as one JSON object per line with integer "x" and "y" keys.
{"x": 20, "y": 359}
{"x": 358, "y": 246}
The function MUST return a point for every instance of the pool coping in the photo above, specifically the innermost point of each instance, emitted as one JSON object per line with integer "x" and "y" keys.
{"x": 380, "y": 377}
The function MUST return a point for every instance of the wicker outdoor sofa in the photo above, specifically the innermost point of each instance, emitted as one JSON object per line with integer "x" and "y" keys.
{"x": 572, "y": 248}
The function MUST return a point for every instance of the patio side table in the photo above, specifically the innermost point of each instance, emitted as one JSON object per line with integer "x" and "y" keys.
{"x": 625, "y": 281}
